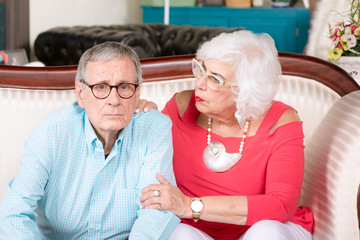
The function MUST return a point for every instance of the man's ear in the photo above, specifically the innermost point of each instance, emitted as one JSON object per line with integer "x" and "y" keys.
{"x": 79, "y": 93}
{"x": 137, "y": 93}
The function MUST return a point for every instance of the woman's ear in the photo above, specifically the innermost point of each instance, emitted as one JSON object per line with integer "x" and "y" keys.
{"x": 79, "y": 93}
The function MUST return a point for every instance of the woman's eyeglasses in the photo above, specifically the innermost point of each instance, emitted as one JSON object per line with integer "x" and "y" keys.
{"x": 212, "y": 81}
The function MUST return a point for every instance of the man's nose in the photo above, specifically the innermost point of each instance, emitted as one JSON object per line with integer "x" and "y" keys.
{"x": 114, "y": 97}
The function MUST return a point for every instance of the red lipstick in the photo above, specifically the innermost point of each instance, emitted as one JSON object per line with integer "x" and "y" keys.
{"x": 198, "y": 99}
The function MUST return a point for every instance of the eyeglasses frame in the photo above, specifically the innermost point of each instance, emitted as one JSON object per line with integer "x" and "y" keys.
{"x": 111, "y": 87}
{"x": 222, "y": 82}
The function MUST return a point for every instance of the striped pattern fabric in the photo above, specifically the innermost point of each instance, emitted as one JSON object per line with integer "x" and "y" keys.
{"x": 20, "y": 111}
{"x": 161, "y": 92}
{"x": 310, "y": 98}
{"x": 80, "y": 194}
{"x": 332, "y": 171}
{"x": 25, "y": 108}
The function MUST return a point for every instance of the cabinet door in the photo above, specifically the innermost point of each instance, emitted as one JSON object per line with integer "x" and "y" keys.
{"x": 2, "y": 26}
{"x": 280, "y": 26}
{"x": 287, "y": 26}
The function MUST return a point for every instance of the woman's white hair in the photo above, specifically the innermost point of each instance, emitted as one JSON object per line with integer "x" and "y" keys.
{"x": 255, "y": 64}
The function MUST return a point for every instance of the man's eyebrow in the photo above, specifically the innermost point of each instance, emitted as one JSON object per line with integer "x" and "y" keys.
{"x": 103, "y": 81}
{"x": 107, "y": 81}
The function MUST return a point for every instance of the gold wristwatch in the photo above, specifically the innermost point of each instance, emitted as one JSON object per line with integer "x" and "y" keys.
{"x": 196, "y": 207}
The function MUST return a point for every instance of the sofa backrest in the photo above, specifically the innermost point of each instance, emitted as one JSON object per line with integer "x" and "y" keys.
{"x": 28, "y": 94}
{"x": 65, "y": 45}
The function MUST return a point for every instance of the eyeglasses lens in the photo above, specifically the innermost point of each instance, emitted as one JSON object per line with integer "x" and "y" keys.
{"x": 212, "y": 81}
{"x": 125, "y": 90}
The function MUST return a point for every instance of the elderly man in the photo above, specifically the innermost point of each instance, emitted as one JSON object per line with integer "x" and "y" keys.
{"x": 84, "y": 166}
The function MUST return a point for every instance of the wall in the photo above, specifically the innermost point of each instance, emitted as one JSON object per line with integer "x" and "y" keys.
{"x": 53, "y": 13}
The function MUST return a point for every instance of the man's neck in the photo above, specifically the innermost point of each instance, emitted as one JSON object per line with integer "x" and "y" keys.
{"x": 108, "y": 140}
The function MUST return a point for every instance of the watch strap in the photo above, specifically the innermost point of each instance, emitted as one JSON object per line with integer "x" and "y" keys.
{"x": 196, "y": 215}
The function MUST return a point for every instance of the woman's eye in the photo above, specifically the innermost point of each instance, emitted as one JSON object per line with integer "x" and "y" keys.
{"x": 214, "y": 79}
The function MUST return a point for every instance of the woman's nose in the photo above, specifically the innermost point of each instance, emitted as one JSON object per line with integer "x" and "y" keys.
{"x": 200, "y": 82}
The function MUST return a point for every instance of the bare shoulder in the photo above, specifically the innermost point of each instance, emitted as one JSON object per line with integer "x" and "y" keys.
{"x": 290, "y": 115}
{"x": 182, "y": 100}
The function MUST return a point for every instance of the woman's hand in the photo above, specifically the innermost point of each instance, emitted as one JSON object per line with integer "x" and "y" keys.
{"x": 143, "y": 104}
{"x": 170, "y": 199}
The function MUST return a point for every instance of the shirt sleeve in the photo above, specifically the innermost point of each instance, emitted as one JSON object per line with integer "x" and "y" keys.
{"x": 17, "y": 216}
{"x": 155, "y": 224}
{"x": 284, "y": 176}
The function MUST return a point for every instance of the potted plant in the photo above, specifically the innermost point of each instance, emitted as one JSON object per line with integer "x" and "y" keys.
{"x": 345, "y": 36}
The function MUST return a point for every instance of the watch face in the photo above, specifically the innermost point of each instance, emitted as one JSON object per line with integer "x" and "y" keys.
{"x": 197, "y": 206}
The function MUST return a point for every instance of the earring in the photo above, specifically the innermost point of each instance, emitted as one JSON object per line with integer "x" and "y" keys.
{"x": 240, "y": 119}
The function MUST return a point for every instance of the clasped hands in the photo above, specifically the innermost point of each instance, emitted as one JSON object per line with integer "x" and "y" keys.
{"x": 165, "y": 196}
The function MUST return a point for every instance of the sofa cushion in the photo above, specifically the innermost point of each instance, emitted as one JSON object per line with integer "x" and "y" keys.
{"x": 65, "y": 45}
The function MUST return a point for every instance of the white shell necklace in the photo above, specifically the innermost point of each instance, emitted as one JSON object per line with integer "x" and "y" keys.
{"x": 215, "y": 156}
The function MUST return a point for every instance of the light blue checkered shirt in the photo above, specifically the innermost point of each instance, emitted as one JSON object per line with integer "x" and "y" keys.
{"x": 66, "y": 189}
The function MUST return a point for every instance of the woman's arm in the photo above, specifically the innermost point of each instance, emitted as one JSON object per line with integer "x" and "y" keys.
{"x": 234, "y": 209}
{"x": 226, "y": 209}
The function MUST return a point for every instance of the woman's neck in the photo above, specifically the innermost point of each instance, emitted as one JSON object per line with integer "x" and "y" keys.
{"x": 225, "y": 126}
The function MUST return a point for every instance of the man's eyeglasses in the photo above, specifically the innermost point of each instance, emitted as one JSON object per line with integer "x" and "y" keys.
{"x": 103, "y": 90}
{"x": 212, "y": 81}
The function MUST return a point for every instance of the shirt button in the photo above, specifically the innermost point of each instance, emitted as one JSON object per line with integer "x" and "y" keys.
{"x": 93, "y": 227}
{"x": 96, "y": 198}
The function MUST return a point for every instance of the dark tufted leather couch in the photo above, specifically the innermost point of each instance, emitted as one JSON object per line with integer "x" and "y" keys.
{"x": 65, "y": 45}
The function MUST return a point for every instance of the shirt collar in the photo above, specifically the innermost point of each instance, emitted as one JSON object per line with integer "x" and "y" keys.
{"x": 91, "y": 136}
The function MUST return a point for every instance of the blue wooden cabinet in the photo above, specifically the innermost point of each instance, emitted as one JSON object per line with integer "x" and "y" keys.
{"x": 287, "y": 26}
{"x": 2, "y": 26}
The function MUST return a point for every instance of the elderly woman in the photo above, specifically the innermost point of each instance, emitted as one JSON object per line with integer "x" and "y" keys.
{"x": 238, "y": 154}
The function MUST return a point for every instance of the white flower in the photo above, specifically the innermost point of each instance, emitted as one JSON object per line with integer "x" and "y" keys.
{"x": 347, "y": 30}
{"x": 350, "y": 40}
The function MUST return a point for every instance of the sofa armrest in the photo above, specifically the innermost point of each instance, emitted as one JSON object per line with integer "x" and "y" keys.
{"x": 332, "y": 171}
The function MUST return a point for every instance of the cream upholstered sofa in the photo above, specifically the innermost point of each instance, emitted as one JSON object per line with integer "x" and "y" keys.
{"x": 327, "y": 99}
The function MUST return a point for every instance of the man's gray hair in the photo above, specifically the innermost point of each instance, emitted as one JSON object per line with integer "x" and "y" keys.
{"x": 107, "y": 51}
{"x": 256, "y": 68}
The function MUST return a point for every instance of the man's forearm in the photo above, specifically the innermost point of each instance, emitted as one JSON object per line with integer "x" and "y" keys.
{"x": 153, "y": 224}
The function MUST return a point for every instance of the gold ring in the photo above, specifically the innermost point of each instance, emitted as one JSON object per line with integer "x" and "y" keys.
{"x": 156, "y": 193}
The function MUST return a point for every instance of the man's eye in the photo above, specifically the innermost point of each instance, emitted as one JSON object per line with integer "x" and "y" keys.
{"x": 101, "y": 86}
{"x": 123, "y": 86}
